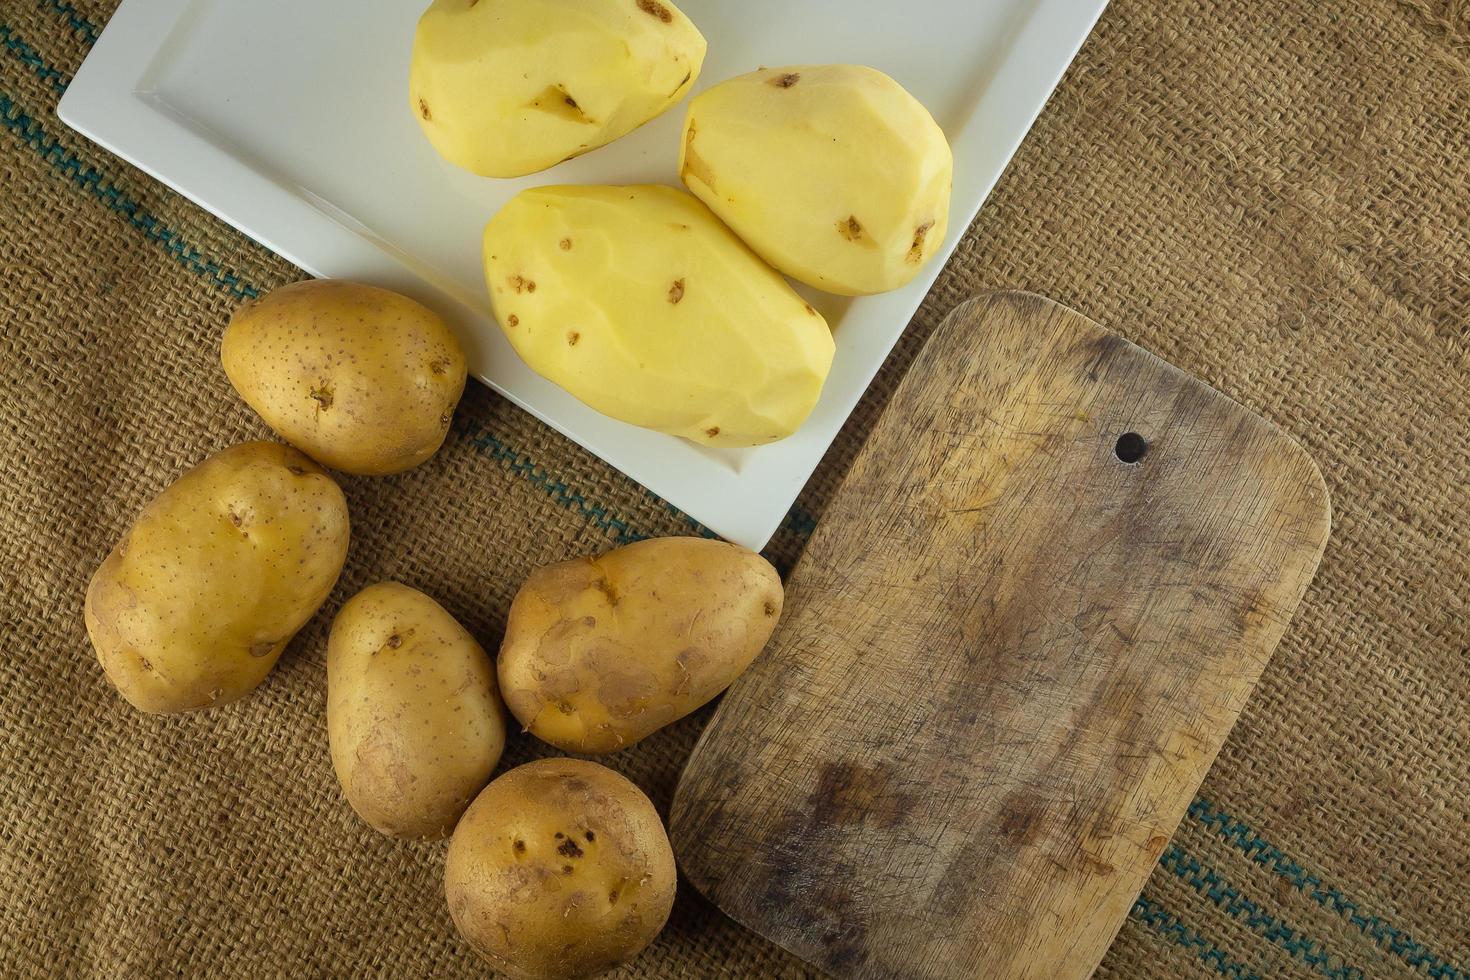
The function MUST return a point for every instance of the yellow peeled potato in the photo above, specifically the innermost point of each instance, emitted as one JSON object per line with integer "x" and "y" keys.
{"x": 505, "y": 88}
{"x": 560, "y": 870}
{"x": 359, "y": 378}
{"x": 601, "y": 652}
{"x": 644, "y": 306}
{"x": 834, "y": 174}
{"x": 197, "y": 601}
{"x": 414, "y": 720}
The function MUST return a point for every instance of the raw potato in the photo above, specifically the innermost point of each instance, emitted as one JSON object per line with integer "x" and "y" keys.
{"x": 560, "y": 870}
{"x": 833, "y": 173}
{"x": 199, "y": 598}
{"x": 641, "y": 304}
{"x": 601, "y": 652}
{"x": 505, "y": 88}
{"x": 359, "y": 378}
{"x": 413, "y": 716}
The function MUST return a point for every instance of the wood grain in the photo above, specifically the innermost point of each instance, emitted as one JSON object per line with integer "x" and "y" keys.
{"x": 1008, "y": 658}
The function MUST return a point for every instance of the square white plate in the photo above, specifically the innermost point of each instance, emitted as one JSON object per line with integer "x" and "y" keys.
{"x": 289, "y": 119}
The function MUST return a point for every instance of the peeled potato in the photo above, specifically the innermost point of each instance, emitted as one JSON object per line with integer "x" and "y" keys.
{"x": 643, "y": 305}
{"x": 834, "y": 174}
{"x": 505, "y": 88}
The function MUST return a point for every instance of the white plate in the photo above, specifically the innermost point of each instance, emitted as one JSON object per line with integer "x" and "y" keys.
{"x": 289, "y": 120}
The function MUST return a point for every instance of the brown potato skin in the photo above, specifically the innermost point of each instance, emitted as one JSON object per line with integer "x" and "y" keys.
{"x": 602, "y": 652}
{"x": 414, "y": 719}
{"x": 197, "y": 601}
{"x": 560, "y": 869}
{"x": 359, "y": 378}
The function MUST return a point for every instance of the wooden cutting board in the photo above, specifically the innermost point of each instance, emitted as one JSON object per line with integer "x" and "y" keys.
{"x": 1012, "y": 649}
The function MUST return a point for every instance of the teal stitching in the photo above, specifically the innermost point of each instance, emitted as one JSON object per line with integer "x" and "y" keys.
{"x": 522, "y": 465}
{"x": 92, "y": 180}
{"x": 75, "y": 19}
{"x": 1166, "y": 925}
{"x": 1207, "y": 882}
{"x": 1261, "y": 852}
{"x": 800, "y": 521}
{"x": 28, "y": 54}
{"x": 694, "y": 525}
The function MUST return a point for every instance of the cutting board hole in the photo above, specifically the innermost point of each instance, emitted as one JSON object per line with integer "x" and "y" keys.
{"x": 1131, "y": 447}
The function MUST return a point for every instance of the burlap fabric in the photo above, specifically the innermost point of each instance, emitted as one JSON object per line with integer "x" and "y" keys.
{"x": 1273, "y": 194}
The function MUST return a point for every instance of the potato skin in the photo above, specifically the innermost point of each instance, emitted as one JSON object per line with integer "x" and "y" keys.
{"x": 639, "y": 302}
{"x": 510, "y": 87}
{"x": 601, "y": 652}
{"x": 559, "y": 870}
{"x": 194, "y": 605}
{"x": 414, "y": 719}
{"x": 359, "y": 378}
{"x": 834, "y": 174}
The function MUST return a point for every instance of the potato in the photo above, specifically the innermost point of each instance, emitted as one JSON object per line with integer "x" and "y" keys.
{"x": 833, "y": 173}
{"x": 601, "y": 652}
{"x": 641, "y": 304}
{"x": 414, "y": 720}
{"x": 196, "y": 602}
{"x": 510, "y": 87}
{"x": 359, "y": 378}
{"x": 559, "y": 870}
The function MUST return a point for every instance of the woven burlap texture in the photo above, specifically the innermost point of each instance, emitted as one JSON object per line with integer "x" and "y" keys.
{"x": 1272, "y": 194}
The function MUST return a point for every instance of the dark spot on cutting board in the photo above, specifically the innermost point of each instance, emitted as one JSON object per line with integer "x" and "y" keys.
{"x": 1020, "y": 820}
{"x": 851, "y": 793}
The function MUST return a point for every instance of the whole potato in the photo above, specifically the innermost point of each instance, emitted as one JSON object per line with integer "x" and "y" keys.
{"x": 359, "y": 378}
{"x": 601, "y": 652}
{"x": 559, "y": 870}
{"x": 509, "y": 87}
{"x": 415, "y": 723}
{"x": 196, "y": 602}
{"x": 641, "y": 304}
{"x": 833, "y": 173}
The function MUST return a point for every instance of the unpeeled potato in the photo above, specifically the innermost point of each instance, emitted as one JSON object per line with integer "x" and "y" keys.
{"x": 834, "y": 174}
{"x": 414, "y": 719}
{"x": 200, "y": 597}
{"x": 560, "y": 870}
{"x": 601, "y": 652}
{"x": 359, "y": 378}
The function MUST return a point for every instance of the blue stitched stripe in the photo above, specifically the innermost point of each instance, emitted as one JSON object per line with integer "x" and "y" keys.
{"x": 28, "y": 55}
{"x": 77, "y": 22}
{"x": 1208, "y": 883}
{"x": 1384, "y": 935}
{"x": 1166, "y": 925}
{"x": 94, "y": 182}
{"x": 522, "y": 465}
